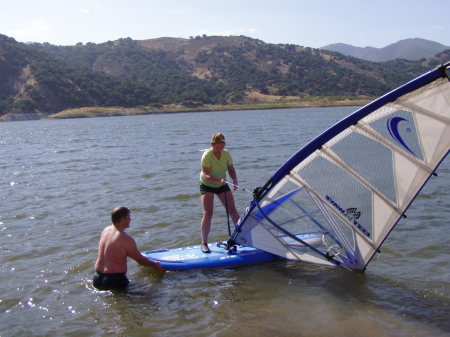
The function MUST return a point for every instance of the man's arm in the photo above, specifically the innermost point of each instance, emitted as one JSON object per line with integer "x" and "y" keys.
{"x": 136, "y": 255}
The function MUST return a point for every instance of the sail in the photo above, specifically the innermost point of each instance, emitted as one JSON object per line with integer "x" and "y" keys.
{"x": 352, "y": 183}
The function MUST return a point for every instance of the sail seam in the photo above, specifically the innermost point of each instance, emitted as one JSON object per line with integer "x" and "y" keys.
{"x": 417, "y": 109}
{"x": 394, "y": 147}
{"x": 330, "y": 154}
{"x": 343, "y": 241}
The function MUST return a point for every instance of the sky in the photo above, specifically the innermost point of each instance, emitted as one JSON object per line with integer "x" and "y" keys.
{"x": 309, "y": 23}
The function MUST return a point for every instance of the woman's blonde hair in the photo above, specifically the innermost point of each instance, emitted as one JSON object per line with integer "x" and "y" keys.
{"x": 217, "y": 138}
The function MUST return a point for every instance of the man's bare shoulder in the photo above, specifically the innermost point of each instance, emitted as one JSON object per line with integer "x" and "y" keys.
{"x": 112, "y": 236}
{"x": 108, "y": 229}
{"x": 125, "y": 238}
{"x": 112, "y": 233}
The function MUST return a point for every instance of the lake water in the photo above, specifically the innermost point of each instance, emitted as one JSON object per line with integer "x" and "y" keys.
{"x": 60, "y": 179}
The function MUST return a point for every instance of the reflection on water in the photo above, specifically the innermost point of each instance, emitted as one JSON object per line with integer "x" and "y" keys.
{"x": 60, "y": 179}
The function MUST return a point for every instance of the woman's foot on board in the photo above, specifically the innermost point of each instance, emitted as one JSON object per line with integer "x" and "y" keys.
{"x": 205, "y": 248}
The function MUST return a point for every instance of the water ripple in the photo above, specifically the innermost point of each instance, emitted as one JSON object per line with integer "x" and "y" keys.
{"x": 63, "y": 177}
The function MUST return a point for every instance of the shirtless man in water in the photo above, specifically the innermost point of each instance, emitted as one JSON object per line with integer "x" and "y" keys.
{"x": 113, "y": 249}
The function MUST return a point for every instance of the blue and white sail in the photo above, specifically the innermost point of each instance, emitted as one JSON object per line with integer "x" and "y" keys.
{"x": 353, "y": 183}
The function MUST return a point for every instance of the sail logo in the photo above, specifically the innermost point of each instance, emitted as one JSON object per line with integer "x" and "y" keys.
{"x": 393, "y": 125}
{"x": 352, "y": 214}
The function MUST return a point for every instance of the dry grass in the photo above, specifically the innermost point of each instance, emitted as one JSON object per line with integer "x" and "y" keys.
{"x": 254, "y": 101}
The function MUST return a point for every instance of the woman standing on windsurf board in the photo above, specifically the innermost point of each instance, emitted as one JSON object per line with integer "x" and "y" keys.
{"x": 215, "y": 163}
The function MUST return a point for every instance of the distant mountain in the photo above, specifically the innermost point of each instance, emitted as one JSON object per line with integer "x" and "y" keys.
{"x": 44, "y": 78}
{"x": 409, "y": 49}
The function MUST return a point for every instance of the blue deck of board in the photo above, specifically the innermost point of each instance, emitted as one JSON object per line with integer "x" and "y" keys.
{"x": 193, "y": 258}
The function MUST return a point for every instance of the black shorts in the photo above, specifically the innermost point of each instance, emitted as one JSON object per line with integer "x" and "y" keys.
{"x": 216, "y": 190}
{"x": 105, "y": 281}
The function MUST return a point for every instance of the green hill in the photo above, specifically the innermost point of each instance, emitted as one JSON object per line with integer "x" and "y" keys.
{"x": 203, "y": 70}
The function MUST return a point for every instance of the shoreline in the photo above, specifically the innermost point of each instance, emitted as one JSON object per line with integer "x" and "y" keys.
{"x": 91, "y": 112}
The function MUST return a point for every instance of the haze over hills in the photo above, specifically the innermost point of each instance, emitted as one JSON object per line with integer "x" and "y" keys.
{"x": 44, "y": 78}
{"x": 409, "y": 49}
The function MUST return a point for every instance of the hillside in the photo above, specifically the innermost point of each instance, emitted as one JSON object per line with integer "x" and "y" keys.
{"x": 409, "y": 49}
{"x": 34, "y": 81}
{"x": 43, "y": 78}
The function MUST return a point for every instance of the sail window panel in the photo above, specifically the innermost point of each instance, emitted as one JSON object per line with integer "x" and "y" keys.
{"x": 399, "y": 128}
{"x": 258, "y": 233}
{"x": 297, "y": 251}
{"x": 298, "y": 211}
{"x": 248, "y": 234}
{"x": 339, "y": 240}
{"x": 265, "y": 238}
{"x": 284, "y": 186}
{"x": 340, "y": 232}
{"x": 342, "y": 192}
{"x": 293, "y": 208}
{"x": 435, "y": 137}
{"x": 369, "y": 159}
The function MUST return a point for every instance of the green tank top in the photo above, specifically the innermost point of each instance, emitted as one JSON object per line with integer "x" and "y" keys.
{"x": 218, "y": 167}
